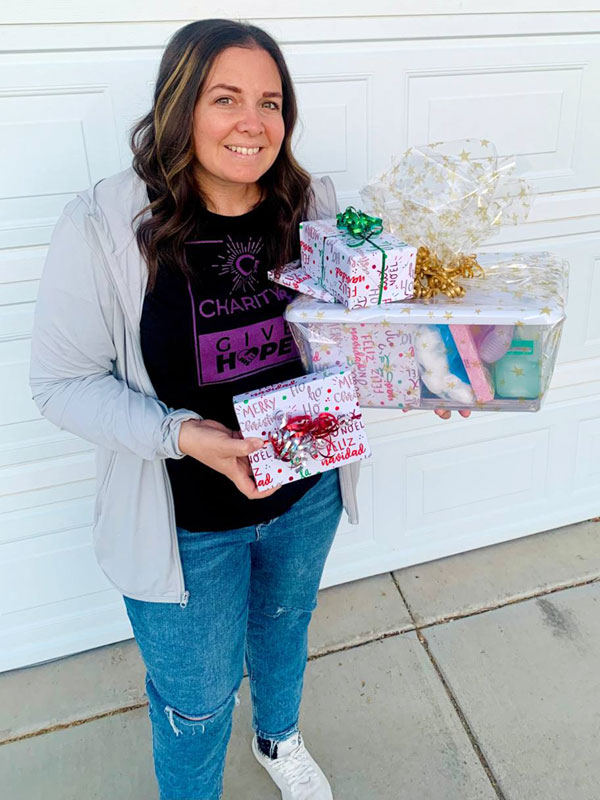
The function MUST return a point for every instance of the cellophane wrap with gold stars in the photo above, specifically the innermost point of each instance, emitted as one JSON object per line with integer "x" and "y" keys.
{"x": 493, "y": 349}
{"x": 447, "y": 199}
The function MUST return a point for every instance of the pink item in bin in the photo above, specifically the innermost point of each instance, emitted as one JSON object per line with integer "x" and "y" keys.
{"x": 311, "y": 424}
{"x": 479, "y": 377}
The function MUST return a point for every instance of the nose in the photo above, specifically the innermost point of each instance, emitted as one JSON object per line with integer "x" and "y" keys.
{"x": 250, "y": 122}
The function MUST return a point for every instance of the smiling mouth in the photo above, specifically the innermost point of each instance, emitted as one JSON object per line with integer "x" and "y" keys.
{"x": 243, "y": 151}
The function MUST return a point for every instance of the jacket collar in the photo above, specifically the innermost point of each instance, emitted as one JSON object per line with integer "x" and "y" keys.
{"x": 113, "y": 203}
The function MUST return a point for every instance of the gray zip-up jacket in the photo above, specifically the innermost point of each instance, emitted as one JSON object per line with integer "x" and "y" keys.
{"x": 88, "y": 377}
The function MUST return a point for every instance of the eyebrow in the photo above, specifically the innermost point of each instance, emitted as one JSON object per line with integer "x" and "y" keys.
{"x": 239, "y": 91}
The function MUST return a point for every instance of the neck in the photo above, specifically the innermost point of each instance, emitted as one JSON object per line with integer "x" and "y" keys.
{"x": 230, "y": 200}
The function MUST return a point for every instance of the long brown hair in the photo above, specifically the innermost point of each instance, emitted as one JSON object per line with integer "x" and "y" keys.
{"x": 163, "y": 154}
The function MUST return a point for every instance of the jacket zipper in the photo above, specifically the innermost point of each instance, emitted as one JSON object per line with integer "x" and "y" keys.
{"x": 183, "y": 593}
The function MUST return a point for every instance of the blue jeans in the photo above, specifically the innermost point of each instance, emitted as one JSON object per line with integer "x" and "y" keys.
{"x": 252, "y": 592}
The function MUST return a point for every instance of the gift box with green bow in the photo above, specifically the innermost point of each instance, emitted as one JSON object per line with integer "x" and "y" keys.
{"x": 355, "y": 261}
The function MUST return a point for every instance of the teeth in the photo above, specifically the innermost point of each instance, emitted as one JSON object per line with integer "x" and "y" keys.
{"x": 245, "y": 151}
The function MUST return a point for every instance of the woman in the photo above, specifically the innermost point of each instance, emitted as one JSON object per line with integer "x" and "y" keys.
{"x": 143, "y": 334}
{"x": 154, "y": 310}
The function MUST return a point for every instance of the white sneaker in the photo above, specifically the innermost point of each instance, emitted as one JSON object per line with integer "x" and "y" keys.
{"x": 294, "y": 771}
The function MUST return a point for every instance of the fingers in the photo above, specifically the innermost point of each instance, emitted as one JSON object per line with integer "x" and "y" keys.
{"x": 244, "y": 480}
{"x": 256, "y": 495}
{"x": 245, "y": 484}
{"x": 444, "y": 413}
{"x": 243, "y": 447}
{"x": 268, "y": 493}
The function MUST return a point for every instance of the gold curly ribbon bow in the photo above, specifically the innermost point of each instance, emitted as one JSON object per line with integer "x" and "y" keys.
{"x": 432, "y": 277}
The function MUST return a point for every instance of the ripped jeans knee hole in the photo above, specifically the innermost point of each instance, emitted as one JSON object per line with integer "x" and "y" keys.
{"x": 178, "y": 720}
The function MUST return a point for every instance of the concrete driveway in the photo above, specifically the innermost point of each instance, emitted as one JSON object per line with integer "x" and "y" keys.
{"x": 474, "y": 677}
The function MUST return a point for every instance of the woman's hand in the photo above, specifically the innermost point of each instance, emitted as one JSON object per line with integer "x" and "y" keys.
{"x": 223, "y": 450}
{"x": 444, "y": 413}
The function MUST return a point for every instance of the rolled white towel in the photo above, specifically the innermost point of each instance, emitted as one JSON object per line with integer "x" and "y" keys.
{"x": 432, "y": 359}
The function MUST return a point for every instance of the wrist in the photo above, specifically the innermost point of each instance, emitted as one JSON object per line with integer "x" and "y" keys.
{"x": 185, "y": 433}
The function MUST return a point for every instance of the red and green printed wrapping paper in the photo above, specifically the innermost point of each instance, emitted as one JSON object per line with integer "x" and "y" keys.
{"x": 321, "y": 397}
{"x": 294, "y": 276}
{"x": 357, "y": 276}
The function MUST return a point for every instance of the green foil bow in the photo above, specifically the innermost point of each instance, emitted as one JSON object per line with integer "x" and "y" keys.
{"x": 362, "y": 227}
{"x": 359, "y": 224}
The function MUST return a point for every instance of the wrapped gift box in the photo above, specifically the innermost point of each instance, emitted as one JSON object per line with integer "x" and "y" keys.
{"x": 431, "y": 353}
{"x": 357, "y": 275}
{"x": 315, "y": 403}
{"x": 294, "y": 276}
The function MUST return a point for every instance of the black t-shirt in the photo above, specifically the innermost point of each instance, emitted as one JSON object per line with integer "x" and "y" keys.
{"x": 209, "y": 338}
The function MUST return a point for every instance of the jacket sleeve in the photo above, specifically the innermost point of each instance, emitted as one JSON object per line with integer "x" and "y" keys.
{"x": 332, "y": 201}
{"x": 324, "y": 202}
{"x": 73, "y": 354}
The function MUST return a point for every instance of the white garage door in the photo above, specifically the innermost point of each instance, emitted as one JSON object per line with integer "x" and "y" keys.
{"x": 369, "y": 86}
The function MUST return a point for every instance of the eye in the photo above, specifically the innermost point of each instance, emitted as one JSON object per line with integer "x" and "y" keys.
{"x": 273, "y": 104}
{"x": 220, "y": 99}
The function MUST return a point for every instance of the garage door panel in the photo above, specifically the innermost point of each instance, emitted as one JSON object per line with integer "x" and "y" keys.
{"x": 39, "y": 450}
{"x": 49, "y": 518}
{"x": 432, "y": 488}
{"x": 16, "y": 404}
{"x": 60, "y": 565}
{"x": 530, "y": 112}
{"x": 47, "y": 473}
{"x": 53, "y": 493}
{"x": 38, "y": 634}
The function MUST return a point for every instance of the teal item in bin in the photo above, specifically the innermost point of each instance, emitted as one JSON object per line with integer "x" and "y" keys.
{"x": 518, "y": 373}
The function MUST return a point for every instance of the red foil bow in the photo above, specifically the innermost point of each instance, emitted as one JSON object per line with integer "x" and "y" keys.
{"x": 301, "y": 436}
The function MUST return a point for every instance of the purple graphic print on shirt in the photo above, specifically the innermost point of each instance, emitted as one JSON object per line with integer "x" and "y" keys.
{"x": 229, "y": 354}
{"x": 241, "y": 263}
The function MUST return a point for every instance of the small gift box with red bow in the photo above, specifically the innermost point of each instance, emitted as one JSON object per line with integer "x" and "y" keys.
{"x": 355, "y": 261}
{"x": 310, "y": 424}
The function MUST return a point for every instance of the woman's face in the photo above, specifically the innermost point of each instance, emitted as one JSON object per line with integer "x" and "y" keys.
{"x": 239, "y": 107}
